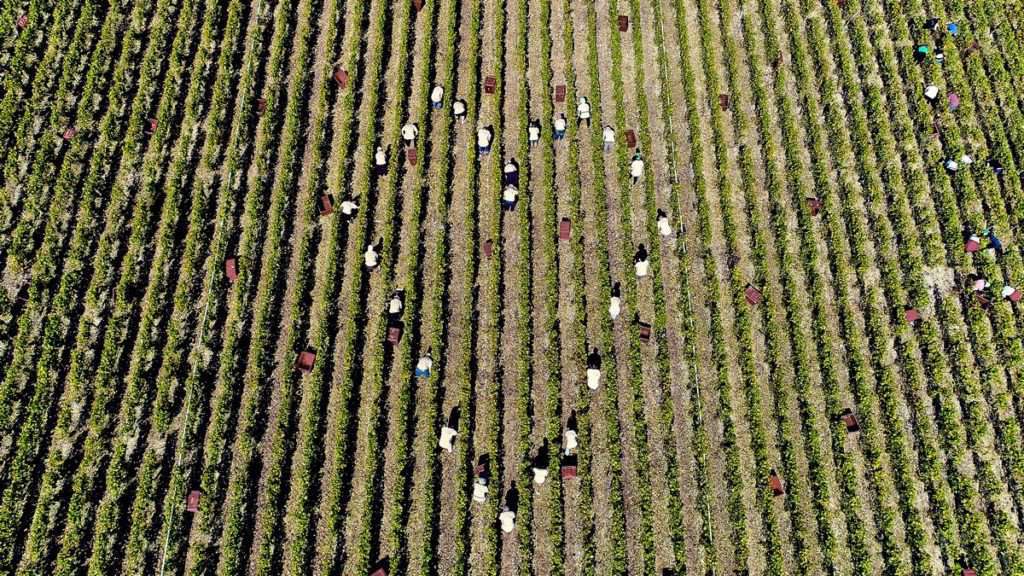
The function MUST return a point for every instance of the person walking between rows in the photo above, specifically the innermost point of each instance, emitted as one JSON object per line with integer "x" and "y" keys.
{"x": 583, "y": 111}
{"x": 409, "y": 133}
{"x": 424, "y": 365}
{"x": 348, "y": 208}
{"x": 380, "y": 161}
{"x": 560, "y": 127}
{"x": 459, "y": 109}
{"x": 636, "y": 167}
{"x": 594, "y": 369}
{"x": 534, "y": 132}
{"x": 640, "y": 261}
{"x": 608, "y": 136}
{"x": 437, "y": 97}
{"x": 483, "y": 140}
{"x": 615, "y": 302}
{"x": 508, "y": 198}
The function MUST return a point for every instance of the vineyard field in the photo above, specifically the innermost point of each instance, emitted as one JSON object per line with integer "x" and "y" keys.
{"x": 511, "y": 287}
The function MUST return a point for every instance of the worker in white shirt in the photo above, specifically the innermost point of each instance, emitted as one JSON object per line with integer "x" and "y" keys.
{"x": 424, "y": 365}
{"x": 437, "y": 98}
{"x": 508, "y": 520}
{"x": 664, "y": 228}
{"x": 636, "y": 167}
{"x": 447, "y": 438}
{"x": 609, "y": 138}
{"x": 583, "y": 110}
{"x": 508, "y": 510}
{"x": 348, "y": 208}
{"x": 615, "y": 302}
{"x": 409, "y": 133}
{"x": 534, "y": 132}
{"x": 395, "y": 306}
{"x": 640, "y": 261}
{"x": 569, "y": 440}
{"x": 560, "y": 127}
{"x": 594, "y": 370}
{"x": 380, "y": 161}
{"x": 510, "y": 173}
{"x": 931, "y": 92}
{"x": 370, "y": 257}
{"x": 483, "y": 140}
{"x": 508, "y": 198}
{"x": 459, "y": 109}
{"x": 540, "y": 464}
{"x": 480, "y": 488}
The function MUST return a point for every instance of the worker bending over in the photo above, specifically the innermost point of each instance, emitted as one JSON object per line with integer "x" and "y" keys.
{"x": 615, "y": 302}
{"x": 594, "y": 369}
{"x": 640, "y": 261}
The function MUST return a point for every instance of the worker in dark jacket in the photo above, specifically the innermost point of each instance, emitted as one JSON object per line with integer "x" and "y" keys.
{"x": 993, "y": 241}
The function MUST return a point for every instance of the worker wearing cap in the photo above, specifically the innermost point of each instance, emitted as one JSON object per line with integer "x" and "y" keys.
{"x": 508, "y": 197}
{"x": 447, "y": 438}
{"x": 608, "y": 136}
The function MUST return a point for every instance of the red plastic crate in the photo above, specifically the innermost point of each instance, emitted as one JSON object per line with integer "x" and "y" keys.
{"x": 560, "y": 93}
{"x": 411, "y": 156}
{"x": 623, "y": 23}
{"x": 326, "y": 205}
{"x": 631, "y": 138}
{"x": 192, "y": 502}
{"x": 776, "y": 484}
{"x": 911, "y": 315}
{"x": 753, "y": 295}
{"x": 341, "y": 77}
{"x": 568, "y": 472}
{"x": 564, "y": 228}
{"x": 723, "y": 101}
{"x": 814, "y": 204}
{"x": 231, "y": 269}
{"x": 490, "y": 85}
{"x": 304, "y": 363}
